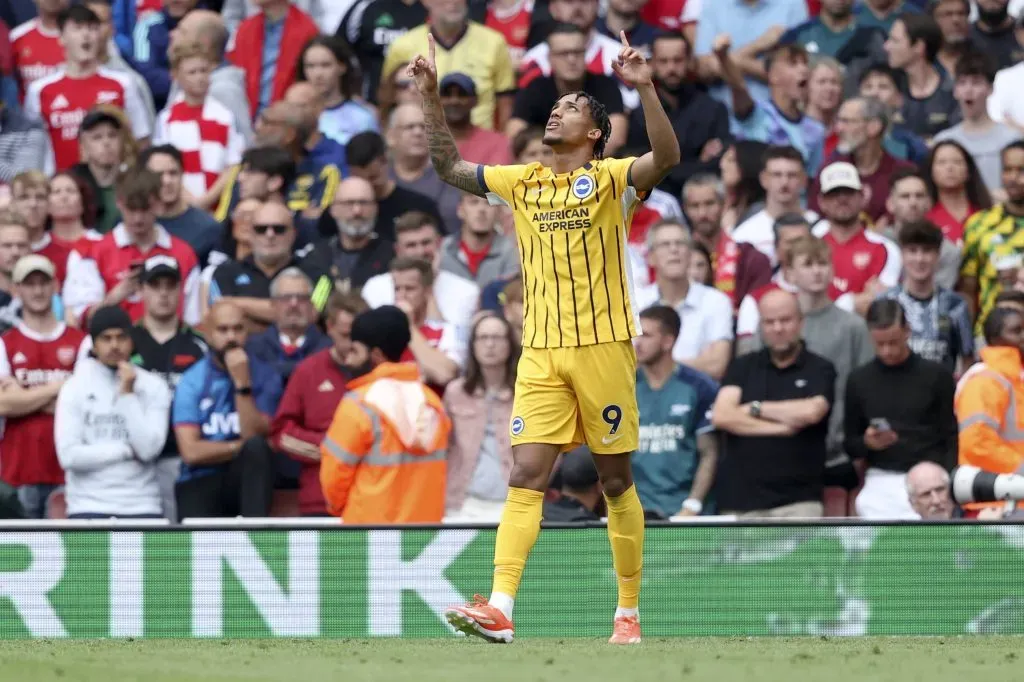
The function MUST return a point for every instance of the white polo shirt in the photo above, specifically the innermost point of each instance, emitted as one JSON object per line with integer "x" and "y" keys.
{"x": 457, "y": 297}
{"x": 706, "y": 314}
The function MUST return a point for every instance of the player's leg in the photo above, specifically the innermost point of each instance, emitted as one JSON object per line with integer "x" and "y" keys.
{"x": 611, "y": 422}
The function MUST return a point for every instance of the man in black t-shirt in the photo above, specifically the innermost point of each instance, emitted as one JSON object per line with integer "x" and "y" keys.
{"x": 912, "y": 48}
{"x": 370, "y": 26}
{"x": 995, "y": 33}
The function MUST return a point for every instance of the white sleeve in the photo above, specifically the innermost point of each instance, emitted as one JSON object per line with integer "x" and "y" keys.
{"x": 73, "y": 452}
{"x": 192, "y": 309}
{"x": 996, "y": 107}
{"x": 691, "y": 12}
{"x": 5, "y": 364}
{"x": 847, "y": 302}
{"x": 453, "y": 345}
{"x": 84, "y": 348}
{"x": 748, "y": 318}
{"x": 136, "y": 111}
{"x": 147, "y": 413}
{"x": 83, "y": 285}
{"x": 890, "y": 274}
{"x": 236, "y": 145}
{"x": 719, "y": 319}
{"x": 379, "y": 290}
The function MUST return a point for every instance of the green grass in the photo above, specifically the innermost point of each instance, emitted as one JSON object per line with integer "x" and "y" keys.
{"x": 571, "y": 660}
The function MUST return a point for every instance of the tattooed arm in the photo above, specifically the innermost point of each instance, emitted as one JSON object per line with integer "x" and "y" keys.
{"x": 443, "y": 152}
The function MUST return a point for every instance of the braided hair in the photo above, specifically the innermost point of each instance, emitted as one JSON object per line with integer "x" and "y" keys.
{"x": 599, "y": 115}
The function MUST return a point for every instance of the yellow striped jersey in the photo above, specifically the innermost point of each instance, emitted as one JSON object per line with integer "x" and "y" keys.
{"x": 571, "y": 229}
{"x": 989, "y": 236}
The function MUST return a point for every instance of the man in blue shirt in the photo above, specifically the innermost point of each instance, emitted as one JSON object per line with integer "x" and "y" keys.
{"x": 674, "y": 466}
{"x": 221, "y": 415}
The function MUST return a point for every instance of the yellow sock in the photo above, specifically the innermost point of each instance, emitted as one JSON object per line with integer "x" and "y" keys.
{"x": 626, "y": 534}
{"x": 518, "y": 530}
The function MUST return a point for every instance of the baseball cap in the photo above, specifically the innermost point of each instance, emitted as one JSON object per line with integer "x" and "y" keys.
{"x": 459, "y": 80}
{"x": 840, "y": 175}
{"x": 160, "y": 266}
{"x": 26, "y": 265}
{"x": 95, "y": 118}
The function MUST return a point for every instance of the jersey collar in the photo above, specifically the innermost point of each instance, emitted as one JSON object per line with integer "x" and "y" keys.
{"x": 122, "y": 239}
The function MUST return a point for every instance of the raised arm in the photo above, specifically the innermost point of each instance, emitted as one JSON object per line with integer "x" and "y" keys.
{"x": 652, "y": 167}
{"x": 443, "y": 153}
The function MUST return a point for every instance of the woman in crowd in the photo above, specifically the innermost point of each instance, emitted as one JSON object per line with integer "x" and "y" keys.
{"x": 480, "y": 406}
{"x": 72, "y": 212}
{"x": 824, "y": 95}
{"x": 741, "y": 171}
{"x": 328, "y": 64}
{"x": 957, "y": 189}
{"x": 528, "y": 146}
{"x": 701, "y": 270}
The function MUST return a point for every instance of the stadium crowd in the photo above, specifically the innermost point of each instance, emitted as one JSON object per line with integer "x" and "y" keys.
{"x": 225, "y": 255}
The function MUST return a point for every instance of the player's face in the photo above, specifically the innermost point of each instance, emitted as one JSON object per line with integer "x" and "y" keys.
{"x": 1013, "y": 175}
{"x": 920, "y": 262}
{"x": 703, "y": 209}
{"x": 101, "y": 145}
{"x": 909, "y": 201}
{"x": 784, "y": 180}
{"x": 32, "y": 203}
{"x": 170, "y": 177}
{"x": 949, "y": 169}
{"x": 491, "y": 345}
{"x": 568, "y": 56}
{"x": 160, "y": 297}
{"x": 897, "y": 47}
{"x": 952, "y": 18}
{"x": 842, "y": 206}
{"x": 477, "y": 215}
{"x": 669, "y": 253}
{"x": 340, "y": 330}
{"x": 81, "y": 41}
{"x": 670, "y": 61}
{"x": 193, "y": 74}
{"x": 652, "y": 345}
{"x": 36, "y": 293}
{"x": 570, "y": 124}
{"x": 323, "y": 71}
{"x": 891, "y": 345}
{"x": 65, "y": 202}
{"x": 810, "y": 275}
{"x": 293, "y": 309}
{"x": 787, "y": 237}
{"x": 409, "y": 289}
{"x": 825, "y": 88}
{"x": 112, "y": 347}
{"x": 421, "y": 243}
{"x": 580, "y": 13}
{"x": 882, "y": 88}
{"x": 13, "y": 245}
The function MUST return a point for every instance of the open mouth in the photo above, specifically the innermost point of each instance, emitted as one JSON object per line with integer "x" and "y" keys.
{"x": 552, "y": 124}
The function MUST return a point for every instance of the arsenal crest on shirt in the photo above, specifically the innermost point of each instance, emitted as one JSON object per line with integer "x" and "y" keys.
{"x": 861, "y": 260}
{"x": 66, "y": 355}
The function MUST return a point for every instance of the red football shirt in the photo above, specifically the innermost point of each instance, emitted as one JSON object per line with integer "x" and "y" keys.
{"x": 28, "y": 454}
{"x": 57, "y": 252}
{"x": 859, "y": 259}
{"x": 514, "y": 24}
{"x": 37, "y": 53}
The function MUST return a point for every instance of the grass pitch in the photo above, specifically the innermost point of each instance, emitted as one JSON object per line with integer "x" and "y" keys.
{"x": 570, "y": 660}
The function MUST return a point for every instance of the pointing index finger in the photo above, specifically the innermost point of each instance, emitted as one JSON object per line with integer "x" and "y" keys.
{"x": 622, "y": 37}
{"x": 430, "y": 48}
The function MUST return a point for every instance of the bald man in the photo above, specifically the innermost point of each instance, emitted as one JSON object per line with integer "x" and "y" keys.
{"x": 773, "y": 410}
{"x": 221, "y": 415}
{"x": 929, "y": 493}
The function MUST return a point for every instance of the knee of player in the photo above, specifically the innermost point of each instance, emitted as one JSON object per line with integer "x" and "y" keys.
{"x": 530, "y": 474}
{"x": 616, "y": 484}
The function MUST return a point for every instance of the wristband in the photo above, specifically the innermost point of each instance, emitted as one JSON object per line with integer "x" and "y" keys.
{"x": 243, "y": 390}
{"x": 692, "y": 504}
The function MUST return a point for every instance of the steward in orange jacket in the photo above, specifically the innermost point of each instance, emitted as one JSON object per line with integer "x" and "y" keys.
{"x": 383, "y": 458}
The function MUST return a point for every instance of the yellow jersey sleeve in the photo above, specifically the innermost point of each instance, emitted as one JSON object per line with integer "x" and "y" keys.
{"x": 619, "y": 170}
{"x": 501, "y": 180}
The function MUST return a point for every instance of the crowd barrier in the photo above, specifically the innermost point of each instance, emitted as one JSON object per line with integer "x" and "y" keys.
{"x": 307, "y": 580}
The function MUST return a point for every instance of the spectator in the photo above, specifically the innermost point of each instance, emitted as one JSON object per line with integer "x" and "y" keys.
{"x": 37, "y": 356}
{"x": 267, "y": 47}
{"x": 266, "y": 174}
{"x": 994, "y": 33}
{"x": 779, "y": 118}
{"x": 580, "y": 495}
{"x": 702, "y": 270}
{"x": 151, "y": 51}
{"x": 825, "y": 93}
{"x": 740, "y": 168}
{"x": 311, "y": 398}
{"x": 23, "y": 142}
{"x": 567, "y": 49}
{"x": 293, "y": 336}
{"x": 111, "y": 423}
{"x": 512, "y": 19}
{"x": 774, "y": 411}
{"x": 329, "y": 65}
{"x": 701, "y": 123}
{"x": 221, "y": 414}
{"x": 737, "y": 268}
{"x": 674, "y": 466}
{"x": 479, "y": 253}
{"x": 864, "y": 263}
{"x": 940, "y": 324}
{"x": 884, "y": 13}
{"x": 480, "y": 406}
{"x": 418, "y": 236}
{"x": 435, "y": 345}
{"x": 991, "y": 234}
{"x": 706, "y": 339}
{"x": 14, "y": 245}
{"x": 899, "y": 412}
{"x": 227, "y": 81}
{"x": 910, "y": 201}
{"x": 785, "y": 182}
{"x": 838, "y": 33}
{"x": 199, "y": 126}
{"x": 956, "y": 187}
{"x": 372, "y": 471}
{"x": 881, "y": 82}
{"x": 928, "y": 491}
{"x": 411, "y": 167}
{"x": 466, "y": 47}
{"x": 195, "y": 227}
{"x": 928, "y": 103}
{"x": 103, "y": 155}
{"x": 36, "y": 45}
{"x": 987, "y": 397}
{"x": 951, "y": 16}
{"x": 235, "y": 11}
{"x": 624, "y": 16}
{"x": 367, "y": 156}
{"x": 370, "y": 26}
{"x": 528, "y": 146}
{"x": 110, "y": 275}
{"x": 977, "y": 133}
{"x": 476, "y": 144}
{"x": 355, "y": 252}
{"x": 246, "y": 283}
{"x": 62, "y": 99}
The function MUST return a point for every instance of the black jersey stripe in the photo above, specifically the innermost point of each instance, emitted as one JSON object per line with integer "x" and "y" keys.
{"x": 590, "y": 287}
{"x": 544, "y": 297}
{"x": 607, "y": 293}
{"x": 611, "y": 178}
{"x": 558, "y": 290}
{"x": 526, "y": 278}
{"x": 568, "y": 186}
{"x": 572, "y": 281}
{"x": 554, "y": 193}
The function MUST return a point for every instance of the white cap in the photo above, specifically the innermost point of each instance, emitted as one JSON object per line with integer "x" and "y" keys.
{"x": 26, "y": 265}
{"x": 840, "y": 175}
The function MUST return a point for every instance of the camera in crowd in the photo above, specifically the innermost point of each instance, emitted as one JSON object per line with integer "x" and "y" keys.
{"x": 971, "y": 484}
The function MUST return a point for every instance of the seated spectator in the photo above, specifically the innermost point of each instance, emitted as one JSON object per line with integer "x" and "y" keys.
{"x": 354, "y": 253}
{"x": 199, "y": 126}
{"x": 151, "y": 46}
{"x": 328, "y": 64}
{"x": 266, "y": 174}
{"x": 779, "y": 118}
{"x": 373, "y": 471}
{"x": 674, "y": 467}
{"x": 479, "y": 252}
{"x": 928, "y": 103}
{"x": 863, "y": 262}
{"x": 72, "y": 214}
{"x": 957, "y": 189}
{"x": 311, "y": 397}
{"x": 367, "y": 157}
{"x": 706, "y": 339}
{"x": 774, "y": 411}
{"x": 35, "y": 44}
{"x": 23, "y": 142}
{"x": 418, "y": 236}
{"x": 881, "y": 82}
{"x": 700, "y": 122}
{"x": 267, "y": 46}
{"x": 567, "y": 50}
{"x": 977, "y": 133}
{"x": 293, "y": 336}
{"x": 475, "y": 144}
{"x": 221, "y": 415}
{"x": 581, "y": 495}
{"x": 246, "y": 283}
{"x": 436, "y": 346}
{"x": 37, "y": 356}
{"x": 884, "y": 13}
{"x": 111, "y": 424}
{"x": 195, "y": 227}
{"x": 898, "y": 412}
{"x": 480, "y": 406}
{"x": 929, "y": 492}
{"x": 939, "y": 321}
{"x": 104, "y": 155}
{"x": 994, "y": 32}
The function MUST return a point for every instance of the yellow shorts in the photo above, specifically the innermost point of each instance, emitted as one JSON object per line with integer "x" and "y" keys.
{"x": 571, "y": 396}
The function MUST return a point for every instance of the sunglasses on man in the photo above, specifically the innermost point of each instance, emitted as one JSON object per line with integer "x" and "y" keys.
{"x": 278, "y": 228}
